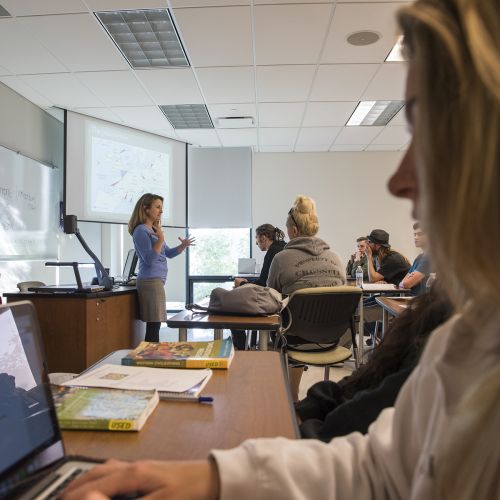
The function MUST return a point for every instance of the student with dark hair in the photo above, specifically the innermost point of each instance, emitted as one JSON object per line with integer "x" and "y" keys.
{"x": 271, "y": 240}
{"x": 358, "y": 259}
{"x": 416, "y": 277}
{"x": 335, "y": 409}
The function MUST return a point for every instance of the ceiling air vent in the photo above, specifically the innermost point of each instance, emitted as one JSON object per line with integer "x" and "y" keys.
{"x": 235, "y": 122}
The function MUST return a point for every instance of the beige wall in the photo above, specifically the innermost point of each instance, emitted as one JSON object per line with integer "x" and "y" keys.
{"x": 350, "y": 190}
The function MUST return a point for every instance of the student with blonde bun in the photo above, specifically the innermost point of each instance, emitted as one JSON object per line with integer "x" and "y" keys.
{"x": 440, "y": 441}
{"x": 307, "y": 260}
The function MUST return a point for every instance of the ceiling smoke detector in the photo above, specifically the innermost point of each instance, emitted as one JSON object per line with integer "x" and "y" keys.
{"x": 360, "y": 38}
{"x": 235, "y": 122}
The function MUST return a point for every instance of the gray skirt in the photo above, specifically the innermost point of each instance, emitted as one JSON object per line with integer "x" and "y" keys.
{"x": 152, "y": 301}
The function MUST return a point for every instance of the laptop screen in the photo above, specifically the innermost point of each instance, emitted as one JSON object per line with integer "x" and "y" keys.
{"x": 130, "y": 265}
{"x": 30, "y": 437}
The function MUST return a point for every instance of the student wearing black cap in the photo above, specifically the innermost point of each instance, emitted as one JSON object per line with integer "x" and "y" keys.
{"x": 390, "y": 266}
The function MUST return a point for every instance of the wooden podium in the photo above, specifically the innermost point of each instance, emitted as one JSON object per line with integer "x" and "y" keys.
{"x": 78, "y": 329}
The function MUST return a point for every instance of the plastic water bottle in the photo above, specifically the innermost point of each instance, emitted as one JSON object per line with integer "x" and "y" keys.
{"x": 430, "y": 280}
{"x": 359, "y": 277}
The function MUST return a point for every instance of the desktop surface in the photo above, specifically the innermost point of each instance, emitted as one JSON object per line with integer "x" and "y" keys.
{"x": 246, "y": 405}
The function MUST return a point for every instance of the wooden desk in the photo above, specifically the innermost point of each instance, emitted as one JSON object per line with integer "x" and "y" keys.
{"x": 392, "y": 306}
{"x": 188, "y": 319}
{"x": 78, "y": 329}
{"x": 251, "y": 399}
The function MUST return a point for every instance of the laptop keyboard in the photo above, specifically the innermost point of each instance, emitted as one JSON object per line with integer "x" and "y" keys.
{"x": 72, "y": 475}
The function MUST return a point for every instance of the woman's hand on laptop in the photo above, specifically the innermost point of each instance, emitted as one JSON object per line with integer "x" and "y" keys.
{"x": 155, "y": 479}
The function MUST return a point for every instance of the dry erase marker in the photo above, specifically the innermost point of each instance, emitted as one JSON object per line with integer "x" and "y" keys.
{"x": 190, "y": 399}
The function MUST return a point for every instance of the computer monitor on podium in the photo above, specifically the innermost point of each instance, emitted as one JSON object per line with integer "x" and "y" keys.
{"x": 129, "y": 267}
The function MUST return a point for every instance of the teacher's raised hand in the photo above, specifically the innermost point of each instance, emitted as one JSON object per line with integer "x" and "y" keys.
{"x": 186, "y": 242}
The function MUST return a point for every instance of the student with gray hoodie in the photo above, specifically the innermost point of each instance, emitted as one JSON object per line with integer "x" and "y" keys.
{"x": 306, "y": 261}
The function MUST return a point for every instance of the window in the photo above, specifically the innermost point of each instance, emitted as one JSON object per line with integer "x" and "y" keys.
{"x": 214, "y": 259}
{"x": 217, "y": 251}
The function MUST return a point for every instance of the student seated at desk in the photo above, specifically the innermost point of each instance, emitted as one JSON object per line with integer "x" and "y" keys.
{"x": 334, "y": 409}
{"x": 417, "y": 275}
{"x": 306, "y": 262}
{"x": 271, "y": 240}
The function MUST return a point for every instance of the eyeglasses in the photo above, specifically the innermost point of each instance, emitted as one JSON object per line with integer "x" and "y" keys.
{"x": 290, "y": 213}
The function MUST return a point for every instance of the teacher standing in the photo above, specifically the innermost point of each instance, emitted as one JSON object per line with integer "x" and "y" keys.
{"x": 152, "y": 252}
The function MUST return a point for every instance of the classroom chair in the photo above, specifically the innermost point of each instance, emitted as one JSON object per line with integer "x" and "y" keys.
{"x": 24, "y": 285}
{"x": 320, "y": 316}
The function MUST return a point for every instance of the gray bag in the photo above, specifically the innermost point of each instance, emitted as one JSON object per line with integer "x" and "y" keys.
{"x": 249, "y": 299}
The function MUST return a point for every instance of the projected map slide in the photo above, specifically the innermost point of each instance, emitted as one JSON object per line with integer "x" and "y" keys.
{"x": 122, "y": 172}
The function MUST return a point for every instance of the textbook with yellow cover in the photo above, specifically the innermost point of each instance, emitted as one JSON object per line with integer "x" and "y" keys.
{"x": 216, "y": 354}
{"x": 102, "y": 409}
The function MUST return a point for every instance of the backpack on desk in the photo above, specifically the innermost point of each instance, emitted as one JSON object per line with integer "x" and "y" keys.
{"x": 250, "y": 300}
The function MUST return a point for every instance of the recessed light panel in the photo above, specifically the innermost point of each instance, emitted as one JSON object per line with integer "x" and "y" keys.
{"x": 187, "y": 116}
{"x": 376, "y": 113}
{"x": 147, "y": 38}
{"x": 396, "y": 54}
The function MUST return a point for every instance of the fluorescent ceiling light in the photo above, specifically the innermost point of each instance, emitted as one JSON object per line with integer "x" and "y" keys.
{"x": 396, "y": 54}
{"x": 187, "y": 116}
{"x": 374, "y": 113}
{"x": 147, "y": 38}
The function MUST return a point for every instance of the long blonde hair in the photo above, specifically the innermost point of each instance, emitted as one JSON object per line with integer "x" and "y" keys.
{"x": 303, "y": 216}
{"x": 455, "y": 48}
{"x": 139, "y": 215}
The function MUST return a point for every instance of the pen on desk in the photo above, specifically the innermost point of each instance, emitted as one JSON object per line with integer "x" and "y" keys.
{"x": 191, "y": 399}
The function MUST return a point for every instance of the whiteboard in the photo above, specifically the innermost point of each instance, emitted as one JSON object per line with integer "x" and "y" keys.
{"x": 29, "y": 208}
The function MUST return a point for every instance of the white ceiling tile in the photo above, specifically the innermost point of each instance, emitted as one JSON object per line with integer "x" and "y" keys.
{"x": 277, "y": 136}
{"x": 399, "y": 119}
{"x": 238, "y": 137}
{"x": 275, "y": 149}
{"x": 342, "y": 82}
{"x": 388, "y": 83}
{"x": 38, "y": 8}
{"x": 348, "y": 147}
{"x": 396, "y": 134}
{"x": 103, "y": 5}
{"x": 21, "y": 53}
{"x": 170, "y": 133}
{"x": 17, "y": 85}
{"x": 382, "y": 147}
{"x": 324, "y": 114}
{"x": 4, "y": 71}
{"x": 143, "y": 117}
{"x": 101, "y": 113}
{"x": 116, "y": 88}
{"x": 171, "y": 86}
{"x": 63, "y": 90}
{"x": 272, "y": 2}
{"x": 284, "y": 83}
{"x": 218, "y": 36}
{"x": 229, "y": 84}
{"x": 317, "y": 136}
{"x": 350, "y": 18}
{"x": 290, "y": 34}
{"x": 357, "y": 135}
{"x": 224, "y": 110}
{"x": 77, "y": 40}
{"x": 281, "y": 114}
{"x": 311, "y": 149}
{"x": 367, "y": 1}
{"x": 205, "y": 138}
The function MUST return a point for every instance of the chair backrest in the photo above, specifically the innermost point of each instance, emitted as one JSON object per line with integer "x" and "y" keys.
{"x": 322, "y": 315}
{"x": 24, "y": 285}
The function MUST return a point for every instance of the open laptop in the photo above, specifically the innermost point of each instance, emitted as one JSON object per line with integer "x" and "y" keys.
{"x": 246, "y": 266}
{"x": 33, "y": 464}
{"x": 66, "y": 288}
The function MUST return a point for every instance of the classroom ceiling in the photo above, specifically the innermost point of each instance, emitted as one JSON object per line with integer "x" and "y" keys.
{"x": 285, "y": 63}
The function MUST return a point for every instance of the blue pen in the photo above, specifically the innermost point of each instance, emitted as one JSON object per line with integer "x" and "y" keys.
{"x": 191, "y": 399}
